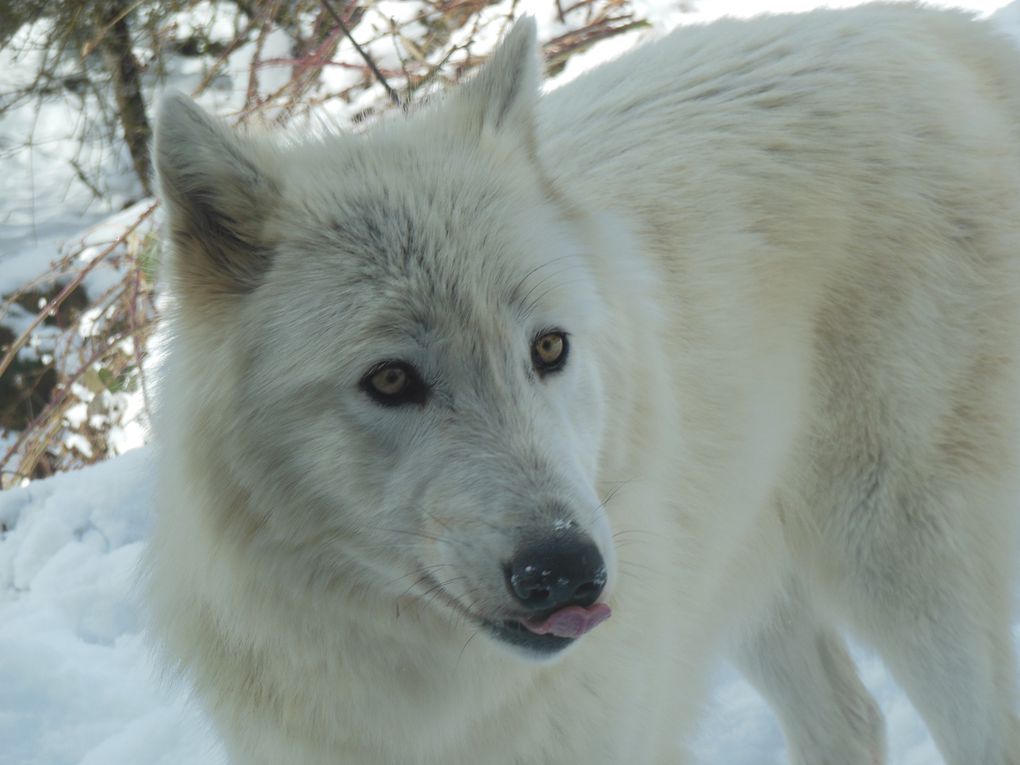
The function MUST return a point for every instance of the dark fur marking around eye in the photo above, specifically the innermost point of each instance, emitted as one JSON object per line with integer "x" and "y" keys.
{"x": 395, "y": 383}
{"x": 549, "y": 351}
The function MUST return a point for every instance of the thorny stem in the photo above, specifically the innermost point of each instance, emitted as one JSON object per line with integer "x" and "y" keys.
{"x": 394, "y": 97}
{"x": 59, "y": 403}
{"x": 68, "y": 289}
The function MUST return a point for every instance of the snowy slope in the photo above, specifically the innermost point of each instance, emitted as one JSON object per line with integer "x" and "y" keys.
{"x": 77, "y": 686}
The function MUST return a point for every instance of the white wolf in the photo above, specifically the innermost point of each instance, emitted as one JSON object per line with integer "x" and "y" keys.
{"x": 722, "y": 336}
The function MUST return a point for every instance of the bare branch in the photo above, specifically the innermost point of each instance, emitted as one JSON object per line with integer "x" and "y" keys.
{"x": 394, "y": 97}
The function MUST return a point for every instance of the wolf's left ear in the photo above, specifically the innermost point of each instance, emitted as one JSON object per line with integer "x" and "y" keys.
{"x": 501, "y": 97}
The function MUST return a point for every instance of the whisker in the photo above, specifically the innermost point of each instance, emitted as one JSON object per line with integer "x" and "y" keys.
{"x": 536, "y": 269}
{"x": 429, "y": 596}
{"x": 466, "y": 644}
{"x": 420, "y": 580}
{"x": 424, "y": 570}
{"x": 437, "y": 520}
{"x": 421, "y": 535}
{"x": 556, "y": 285}
{"x": 626, "y": 532}
{"x": 627, "y": 567}
{"x": 586, "y": 526}
{"x": 529, "y": 303}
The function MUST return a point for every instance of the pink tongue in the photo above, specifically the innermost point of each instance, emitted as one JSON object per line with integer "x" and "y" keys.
{"x": 572, "y": 621}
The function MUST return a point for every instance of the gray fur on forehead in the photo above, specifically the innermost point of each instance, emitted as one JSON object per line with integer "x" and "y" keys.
{"x": 417, "y": 248}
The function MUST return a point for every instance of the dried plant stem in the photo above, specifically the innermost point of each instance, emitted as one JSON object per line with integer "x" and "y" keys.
{"x": 38, "y": 431}
{"x": 394, "y": 97}
{"x": 53, "y": 304}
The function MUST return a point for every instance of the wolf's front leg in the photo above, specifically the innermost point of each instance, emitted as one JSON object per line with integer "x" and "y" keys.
{"x": 933, "y": 596}
{"x": 803, "y": 670}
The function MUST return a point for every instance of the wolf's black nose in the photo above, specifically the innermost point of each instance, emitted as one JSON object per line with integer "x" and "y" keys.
{"x": 556, "y": 574}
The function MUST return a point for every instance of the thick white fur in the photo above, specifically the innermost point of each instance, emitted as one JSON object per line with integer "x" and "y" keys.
{"x": 786, "y": 251}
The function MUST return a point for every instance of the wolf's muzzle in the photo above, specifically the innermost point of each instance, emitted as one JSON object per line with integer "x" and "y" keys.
{"x": 557, "y": 583}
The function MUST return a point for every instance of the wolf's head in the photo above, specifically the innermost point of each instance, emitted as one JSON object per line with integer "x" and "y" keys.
{"x": 401, "y": 334}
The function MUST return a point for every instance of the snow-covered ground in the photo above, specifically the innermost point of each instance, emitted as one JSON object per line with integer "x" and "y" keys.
{"x": 77, "y": 685}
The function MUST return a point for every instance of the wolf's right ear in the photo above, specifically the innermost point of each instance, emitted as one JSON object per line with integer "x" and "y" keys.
{"x": 218, "y": 196}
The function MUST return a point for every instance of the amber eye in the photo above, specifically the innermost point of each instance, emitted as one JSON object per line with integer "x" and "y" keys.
{"x": 389, "y": 381}
{"x": 393, "y": 383}
{"x": 549, "y": 351}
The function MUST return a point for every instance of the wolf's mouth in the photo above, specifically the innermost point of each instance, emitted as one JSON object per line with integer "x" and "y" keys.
{"x": 552, "y": 631}
{"x": 542, "y": 633}
{"x": 515, "y": 633}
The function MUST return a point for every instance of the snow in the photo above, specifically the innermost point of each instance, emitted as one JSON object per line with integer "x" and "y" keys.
{"x": 77, "y": 683}
{"x": 43, "y": 202}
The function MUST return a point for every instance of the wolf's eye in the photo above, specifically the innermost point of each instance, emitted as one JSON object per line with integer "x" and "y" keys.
{"x": 393, "y": 383}
{"x": 549, "y": 351}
